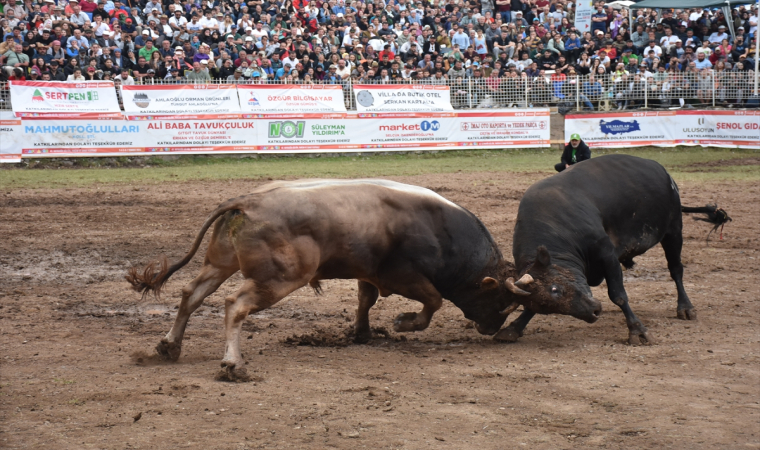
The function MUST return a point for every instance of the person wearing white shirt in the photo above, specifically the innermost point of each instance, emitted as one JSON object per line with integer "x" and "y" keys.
{"x": 668, "y": 40}
{"x": 100, "y": 27}
{"x": 718, "y": 36}
{"x": 348, "y": 39}
{"x": 258, "y": 33}
{"x": 288, "y": 60}
{"x": 124, "y": 77}
{"x": 695, "y": 15}
{"x": 753, "y": 24}
{"x": 177, "y": 20}
{"x": 652, "y": 46}
{"x": 208, "y": 22}
{"x": 194, "y": 26}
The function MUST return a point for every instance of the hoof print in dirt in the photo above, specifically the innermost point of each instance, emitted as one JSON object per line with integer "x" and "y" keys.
{"x": 687, "y": 314}
{"x": 235, "y": 375}
{"x": 321, "y": 337}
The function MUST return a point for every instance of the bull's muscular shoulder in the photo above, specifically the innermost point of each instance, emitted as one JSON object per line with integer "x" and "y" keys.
{"x": 347, "y": 186}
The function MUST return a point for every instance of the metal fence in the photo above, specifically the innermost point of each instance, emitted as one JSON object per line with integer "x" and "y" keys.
{"x": 602, "y": 92}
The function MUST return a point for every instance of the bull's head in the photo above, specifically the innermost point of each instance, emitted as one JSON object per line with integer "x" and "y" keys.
{"x": 547, "y": 288}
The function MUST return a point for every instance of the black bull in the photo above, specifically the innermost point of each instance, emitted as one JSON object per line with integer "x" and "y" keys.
{"x": 575, "y": 229}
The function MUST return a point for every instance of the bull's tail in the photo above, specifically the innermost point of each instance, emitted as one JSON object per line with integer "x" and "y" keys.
{"x": 714, "y": 215}
{"x": 155, "y": 274}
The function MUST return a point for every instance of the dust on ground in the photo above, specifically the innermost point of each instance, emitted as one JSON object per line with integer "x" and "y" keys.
{"x": 77, "y": 368}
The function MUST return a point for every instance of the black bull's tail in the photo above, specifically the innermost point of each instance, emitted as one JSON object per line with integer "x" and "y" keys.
{"x": 155, "y": 274}
{"x": 716, "y": 216}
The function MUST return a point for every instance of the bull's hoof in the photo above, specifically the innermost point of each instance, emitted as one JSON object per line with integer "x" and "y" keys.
{"x": 406, "y": 322}
{"x": 508, "y": 334}
{"x": 362, "y": 336}
{"x": 687, "y": 314}
{"x": 169, "y": 351}
{"x": 639, "y": 335}
{"x": 231, "y": 373}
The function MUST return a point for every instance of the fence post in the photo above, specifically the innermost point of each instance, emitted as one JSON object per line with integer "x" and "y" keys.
{"x": 646, "y": 92}
{"x": 577, "y": 93}
{"x": 469, "y": 92}
{"x": 712, "y": 83}
{"x": 526, "y": 92}
{"x": 350, "y": 90}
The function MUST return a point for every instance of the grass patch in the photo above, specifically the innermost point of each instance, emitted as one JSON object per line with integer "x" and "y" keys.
{"x": 680, "y": 161}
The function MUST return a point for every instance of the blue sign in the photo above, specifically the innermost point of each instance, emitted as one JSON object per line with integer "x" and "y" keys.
{"x": 619, "y": 126}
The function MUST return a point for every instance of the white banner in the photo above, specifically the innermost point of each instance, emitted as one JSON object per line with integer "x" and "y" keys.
{"x": 180, "y": 99}
{"x": 88, "y": 138}
{"x": 53, "y": 99}
{"x": 667, "y": 128}
{"x": 512, "y": 128}
{"x": 10, "y": 138}
{"x": 584, "y": 9}
{"x": 402, "y": 98}
{"x": 290, "y": 99}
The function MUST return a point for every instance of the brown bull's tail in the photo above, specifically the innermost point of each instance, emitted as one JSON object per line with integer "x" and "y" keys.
{"x": 155, "y": 274}
{"x": 714, "y": 215}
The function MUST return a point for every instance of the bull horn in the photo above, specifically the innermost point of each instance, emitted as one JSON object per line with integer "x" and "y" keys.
{"x": 514, "y": 289}
{"x": 510, "y": 309}
{"x": 524, "y": 281}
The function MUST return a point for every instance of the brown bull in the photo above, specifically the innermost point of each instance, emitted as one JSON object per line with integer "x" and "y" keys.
{"x": 393, "y": 238}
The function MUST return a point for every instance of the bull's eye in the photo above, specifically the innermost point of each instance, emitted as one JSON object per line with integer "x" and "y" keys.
{"x": 555, "y": 291}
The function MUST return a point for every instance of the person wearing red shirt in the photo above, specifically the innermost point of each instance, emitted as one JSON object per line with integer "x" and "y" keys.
{"x": 387, "y": 54}
{"x": 88, "y": 6}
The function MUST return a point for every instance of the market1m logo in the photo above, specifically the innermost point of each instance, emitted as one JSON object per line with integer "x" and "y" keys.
{"x": 86, "y": 96}
{"x": 287, "y": 129}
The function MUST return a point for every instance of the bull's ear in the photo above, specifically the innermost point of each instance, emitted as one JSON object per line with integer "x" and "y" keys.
{"x": 543, "y": 258}
{"x": 489, "y": 283}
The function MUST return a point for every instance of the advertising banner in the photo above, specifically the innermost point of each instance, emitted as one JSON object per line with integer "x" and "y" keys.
{"x": 739, "y": 129}
{"x": 119, "y": 137}
{"x": 10, "y": 135}
{"x": 180, "y": 99}
{"x": 55, "y": 99}
{"x": 290, "y": 99}
{"x": 584, "y": 9}
{"x": 402, "y": 98}
{"x": 306, "y": 134}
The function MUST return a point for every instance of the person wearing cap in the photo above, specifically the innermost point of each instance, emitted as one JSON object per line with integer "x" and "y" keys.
{"x": 236, "y": 77}
{"x": 717, "y": 37}
{"x": 575, "y": 151}
{"x": 55, "y": 71}
{"x": 91, "y": 74}
{"x": 199, "y": 74}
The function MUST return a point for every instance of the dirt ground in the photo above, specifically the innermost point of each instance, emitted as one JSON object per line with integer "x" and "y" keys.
{"x": 77, "y": 363}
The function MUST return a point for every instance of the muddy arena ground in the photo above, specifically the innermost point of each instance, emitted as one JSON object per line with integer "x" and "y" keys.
{"x": 78, "y": 369}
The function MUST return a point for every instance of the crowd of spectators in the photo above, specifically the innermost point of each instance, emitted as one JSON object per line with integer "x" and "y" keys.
{"x": 504, "y": 48}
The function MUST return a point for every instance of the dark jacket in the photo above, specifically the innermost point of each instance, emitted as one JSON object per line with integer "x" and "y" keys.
{"x": 582, "y": 153}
